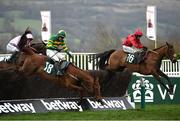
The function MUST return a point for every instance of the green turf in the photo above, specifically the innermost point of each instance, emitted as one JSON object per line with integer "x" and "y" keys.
{"x": 152, "y": 112}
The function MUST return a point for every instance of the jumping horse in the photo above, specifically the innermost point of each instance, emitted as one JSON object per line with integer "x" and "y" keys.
{"x": 115, "y": 60}
{"x": 29, "y": 62}
{"x": 73, "y": 78}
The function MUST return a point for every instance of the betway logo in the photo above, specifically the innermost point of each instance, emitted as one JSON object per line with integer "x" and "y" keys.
{"x": 12, "y": 108}
{"x": 60, "y": 105}
{"x": 108, "y": 104}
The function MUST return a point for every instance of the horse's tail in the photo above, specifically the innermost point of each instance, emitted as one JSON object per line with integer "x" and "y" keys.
{"x": 103, "y": 57}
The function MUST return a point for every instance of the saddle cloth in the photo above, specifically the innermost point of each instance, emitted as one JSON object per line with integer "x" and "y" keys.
{"x": 136, "y": 58}
{"x": 53, "y": 67}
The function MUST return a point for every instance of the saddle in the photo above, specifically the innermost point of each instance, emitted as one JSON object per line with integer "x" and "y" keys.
{"x": 136, "y": 58}
{"x": 56, "y": 68}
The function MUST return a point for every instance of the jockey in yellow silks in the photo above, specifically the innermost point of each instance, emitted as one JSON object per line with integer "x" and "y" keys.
{"x": 55, "y": 44}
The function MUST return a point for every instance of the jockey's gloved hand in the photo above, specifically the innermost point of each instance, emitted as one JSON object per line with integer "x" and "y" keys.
{"x": 59, "y": 50}
{"x": 70, "y": 54}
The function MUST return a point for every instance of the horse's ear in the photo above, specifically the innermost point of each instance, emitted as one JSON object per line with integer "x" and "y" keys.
{"x": 167, "y": 43}
{"x": 28, "y": 30}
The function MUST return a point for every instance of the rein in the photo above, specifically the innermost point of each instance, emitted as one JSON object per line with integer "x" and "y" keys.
{"x": 153, "y": 51}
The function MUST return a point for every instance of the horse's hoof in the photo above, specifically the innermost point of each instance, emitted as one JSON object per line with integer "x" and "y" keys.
{"x": 100, "y": 101}
{"x": 171, "y": 93}
{"x": 79, "y": 103}
{"x": 171, "y": 90}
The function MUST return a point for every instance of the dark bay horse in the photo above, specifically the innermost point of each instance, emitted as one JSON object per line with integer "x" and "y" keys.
{"x": 114, "y": 60}
{"x": 11, "y": 64}
{"x": 74, "y": 78}
{"x": 39, "y": 47}
{"x": 7, "y": 67}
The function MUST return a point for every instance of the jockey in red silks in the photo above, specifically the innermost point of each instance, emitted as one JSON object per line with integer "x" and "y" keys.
{"x": 132, "y": 42}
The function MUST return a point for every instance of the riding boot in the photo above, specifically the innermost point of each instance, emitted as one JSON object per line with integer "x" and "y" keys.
{"x": 57, "y": 66}
{"x": 138, "y": 57}
{"x": 141, "y": 56}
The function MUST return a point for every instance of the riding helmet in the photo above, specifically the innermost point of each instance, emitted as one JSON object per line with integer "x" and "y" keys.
{"x": 61, "y": 33}
{"x": 138, "y": 32}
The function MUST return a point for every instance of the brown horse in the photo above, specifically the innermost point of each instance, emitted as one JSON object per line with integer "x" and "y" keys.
{"x": 116, "y": 61}
{"x": 39, "y": 47}
{"x": 7, "y": 65}
{"x": 74, "y": 78}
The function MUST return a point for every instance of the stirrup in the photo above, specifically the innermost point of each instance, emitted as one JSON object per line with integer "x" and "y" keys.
{"x": 58, "y": 73}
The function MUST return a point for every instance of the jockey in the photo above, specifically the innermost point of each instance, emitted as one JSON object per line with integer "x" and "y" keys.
{"x": 15, "y": 43}
{"x": 132, "y": 42}
{"x": 18, "y": 43}
{"x": 55, "y": 44}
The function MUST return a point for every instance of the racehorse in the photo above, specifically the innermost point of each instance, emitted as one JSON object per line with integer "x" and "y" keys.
{"x": 116, "y": 61}
{"x": 74, "y": 78}
{"x": 39, "y": 47}
{"x": 6, "y": 66}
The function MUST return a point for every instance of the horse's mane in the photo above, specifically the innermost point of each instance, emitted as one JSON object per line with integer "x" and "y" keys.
{"x": 159, "y": 47}
{"x": 28, "y": 51}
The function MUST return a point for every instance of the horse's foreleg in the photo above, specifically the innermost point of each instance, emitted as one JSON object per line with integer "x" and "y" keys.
{"x": 97, "y": 92}
{"x": 96, "y": 87}
{"x": 160, "y": 81}
{"x": 79, "y": 89}
{"x": 167, "y": 78}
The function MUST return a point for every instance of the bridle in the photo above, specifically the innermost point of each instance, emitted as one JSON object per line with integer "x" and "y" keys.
{"x": 170, "y": 53}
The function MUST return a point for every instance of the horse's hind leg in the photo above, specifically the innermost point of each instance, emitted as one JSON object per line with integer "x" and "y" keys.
{"x": 169, "y": 82}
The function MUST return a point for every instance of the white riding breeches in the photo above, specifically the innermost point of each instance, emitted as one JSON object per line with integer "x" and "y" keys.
{"x": 55, "y": 55}
{"x": 130, "y": 49}
{"x": 11, "y": 48}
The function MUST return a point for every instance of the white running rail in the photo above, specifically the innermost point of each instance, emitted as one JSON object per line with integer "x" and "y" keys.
{"x": 82, "y": 60}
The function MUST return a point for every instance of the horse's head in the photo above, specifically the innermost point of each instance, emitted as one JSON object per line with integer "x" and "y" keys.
{"x": 26, "y": 38}
{"x": 171, "y": 53}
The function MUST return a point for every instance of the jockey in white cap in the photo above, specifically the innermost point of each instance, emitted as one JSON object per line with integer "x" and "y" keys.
{"x": 14, "y": 44}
